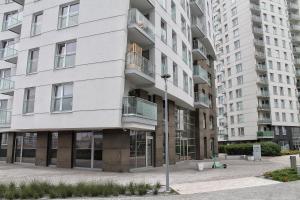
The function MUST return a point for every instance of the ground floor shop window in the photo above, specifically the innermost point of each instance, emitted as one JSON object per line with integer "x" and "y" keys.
{"x": 25, "y": 147}
{"x": 3, "y": 146}
{"x": 88, "y": 150}
{"x": 141, "y": 149}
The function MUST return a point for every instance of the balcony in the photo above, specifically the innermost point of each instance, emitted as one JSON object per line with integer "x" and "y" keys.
{"x": 264, "y": 94}
{"x": 140, "y": 29}
{"x": 294, "y": 17}
{"x": 198, "y": 27}
{"x": 260, "y": 55}
{"x": 201, "y": 100}
{"x": 255, "y": 8}
{"x": 139, "y": 70}
{"x": 200, "y": 75}
{"x": 259, "y": 43}
{"x": 292, "y": 6}
{"x": 197, "y": 6}
{"x": 264, "y": 107}
{"x": 295, "y": 28}
{"x": 262, "y": 81}
{"x": 264, "y": 121}
{"x": 14, "y": 23}
{"x": 297, "y": 61}
{"x": 256, "y": 19}
{"x": 261, "y": 68}
{"x": 5, "y": 118}
{"x": 142, "y": 5}
{"x": 296, "y": 39}
{"x": 258, "y": 31}
{"x": 199, "y": 51}
{"x": 265, "y": 134}
{"x": 9, "y": 54}
{"x": 6, "y": 86}
{"x": 21, "y": 2}
{"x": 296, "y": 50}
{"x": 139, "y": 113}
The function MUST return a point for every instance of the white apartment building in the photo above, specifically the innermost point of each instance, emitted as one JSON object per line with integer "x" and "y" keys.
{"x": 81, "y": 82}
{"x": 257, "y": 96}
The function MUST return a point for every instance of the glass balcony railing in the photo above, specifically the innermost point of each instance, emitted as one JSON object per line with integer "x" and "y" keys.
{"x": 14, "y": 20}
{"x": 265, "y": 134}
{"x": 196, "y": 21}
{"x": 5, "y": 117}
{"x": 197, "y": 45}
{"x": 134, "y": 106}
{"x": 6, "y": 84}
{"x": 261, "y": 67}
{"x": 264, "y": 106}
{"x": 264, "y": 121}
{"x": 8, "y": 52}
{"x": 198, "y": 71}
{"x": 135, "y": 17}
{"x": 256, "y": 18}
{"x": 200, "y": 4}
{"x": 201, "y": 98}
{"x": 264, "y": 94}
{"x": 140, "y": 63}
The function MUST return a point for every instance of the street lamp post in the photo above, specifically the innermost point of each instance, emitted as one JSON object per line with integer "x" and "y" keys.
{"x": 165, "y": 77}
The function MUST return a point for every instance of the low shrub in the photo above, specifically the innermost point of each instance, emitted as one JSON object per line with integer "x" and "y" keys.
{"x": 283, "y": 175}
{"x": 36, "y": 190}
{"x": 267, "y": 149}
{"x": 290, "y": 152}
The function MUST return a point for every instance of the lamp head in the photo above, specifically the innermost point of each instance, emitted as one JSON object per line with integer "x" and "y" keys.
{"x": 165, "y": 76}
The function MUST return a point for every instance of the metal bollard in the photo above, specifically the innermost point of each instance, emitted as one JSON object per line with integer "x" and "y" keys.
{"x": 293, "y": 161}
{"x": 298, "y": 170}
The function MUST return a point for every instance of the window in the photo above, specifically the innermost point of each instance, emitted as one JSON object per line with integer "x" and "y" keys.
{"x": 184, "y": 53}
{"x": 275, "y": 90}
{"x": 292, "y": 117}
{"x": 238, "y": 93}
{"x": 163, "y": 26}
{"x": 235, "y": 22}
{"x": 239, "y": 106}
{"x": 236, "y": 44}
{"x": 277, "y": 117}
{"x": 33, "y": 57}
{"x": 232, "y": 132}
{"x": 68, "y": 15}
{"x": 174, "y": 41}
{"x": 62, "y": 97}
{"x": 173, "y": 11}
{"x": 240, "y": 118}
{"x": 28, "y": 102}
{"x": 163, "y": 3}
{"x": 239, "y": 68}
{"x": 231, "y": 119}
{"x": 175, "y": 74}
{"x": 164, "y": 64}
{"x": 238, "y": 56}
{"x": 36, "y": 24}
{"x": 239, "y": 80}
{"x": 66, "y": 53}
{"x": 185, "y": 82}
{"x": 241, "y": 131}
{"x": 236, "y": 33}
{"x": 233, "y": 11}
{"x": 283, "y": 117}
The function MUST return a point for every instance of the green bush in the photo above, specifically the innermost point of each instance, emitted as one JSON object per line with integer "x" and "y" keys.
{"x": 36, "y": 190}
{"x": 290, "y": 152}
{"x": 283, "y": 175}
{"x": 267, "y": 149}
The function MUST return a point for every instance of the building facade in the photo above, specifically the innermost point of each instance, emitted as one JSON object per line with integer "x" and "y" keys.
{"x": 81, "y": 82}
{"x": 256, "y": 75}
